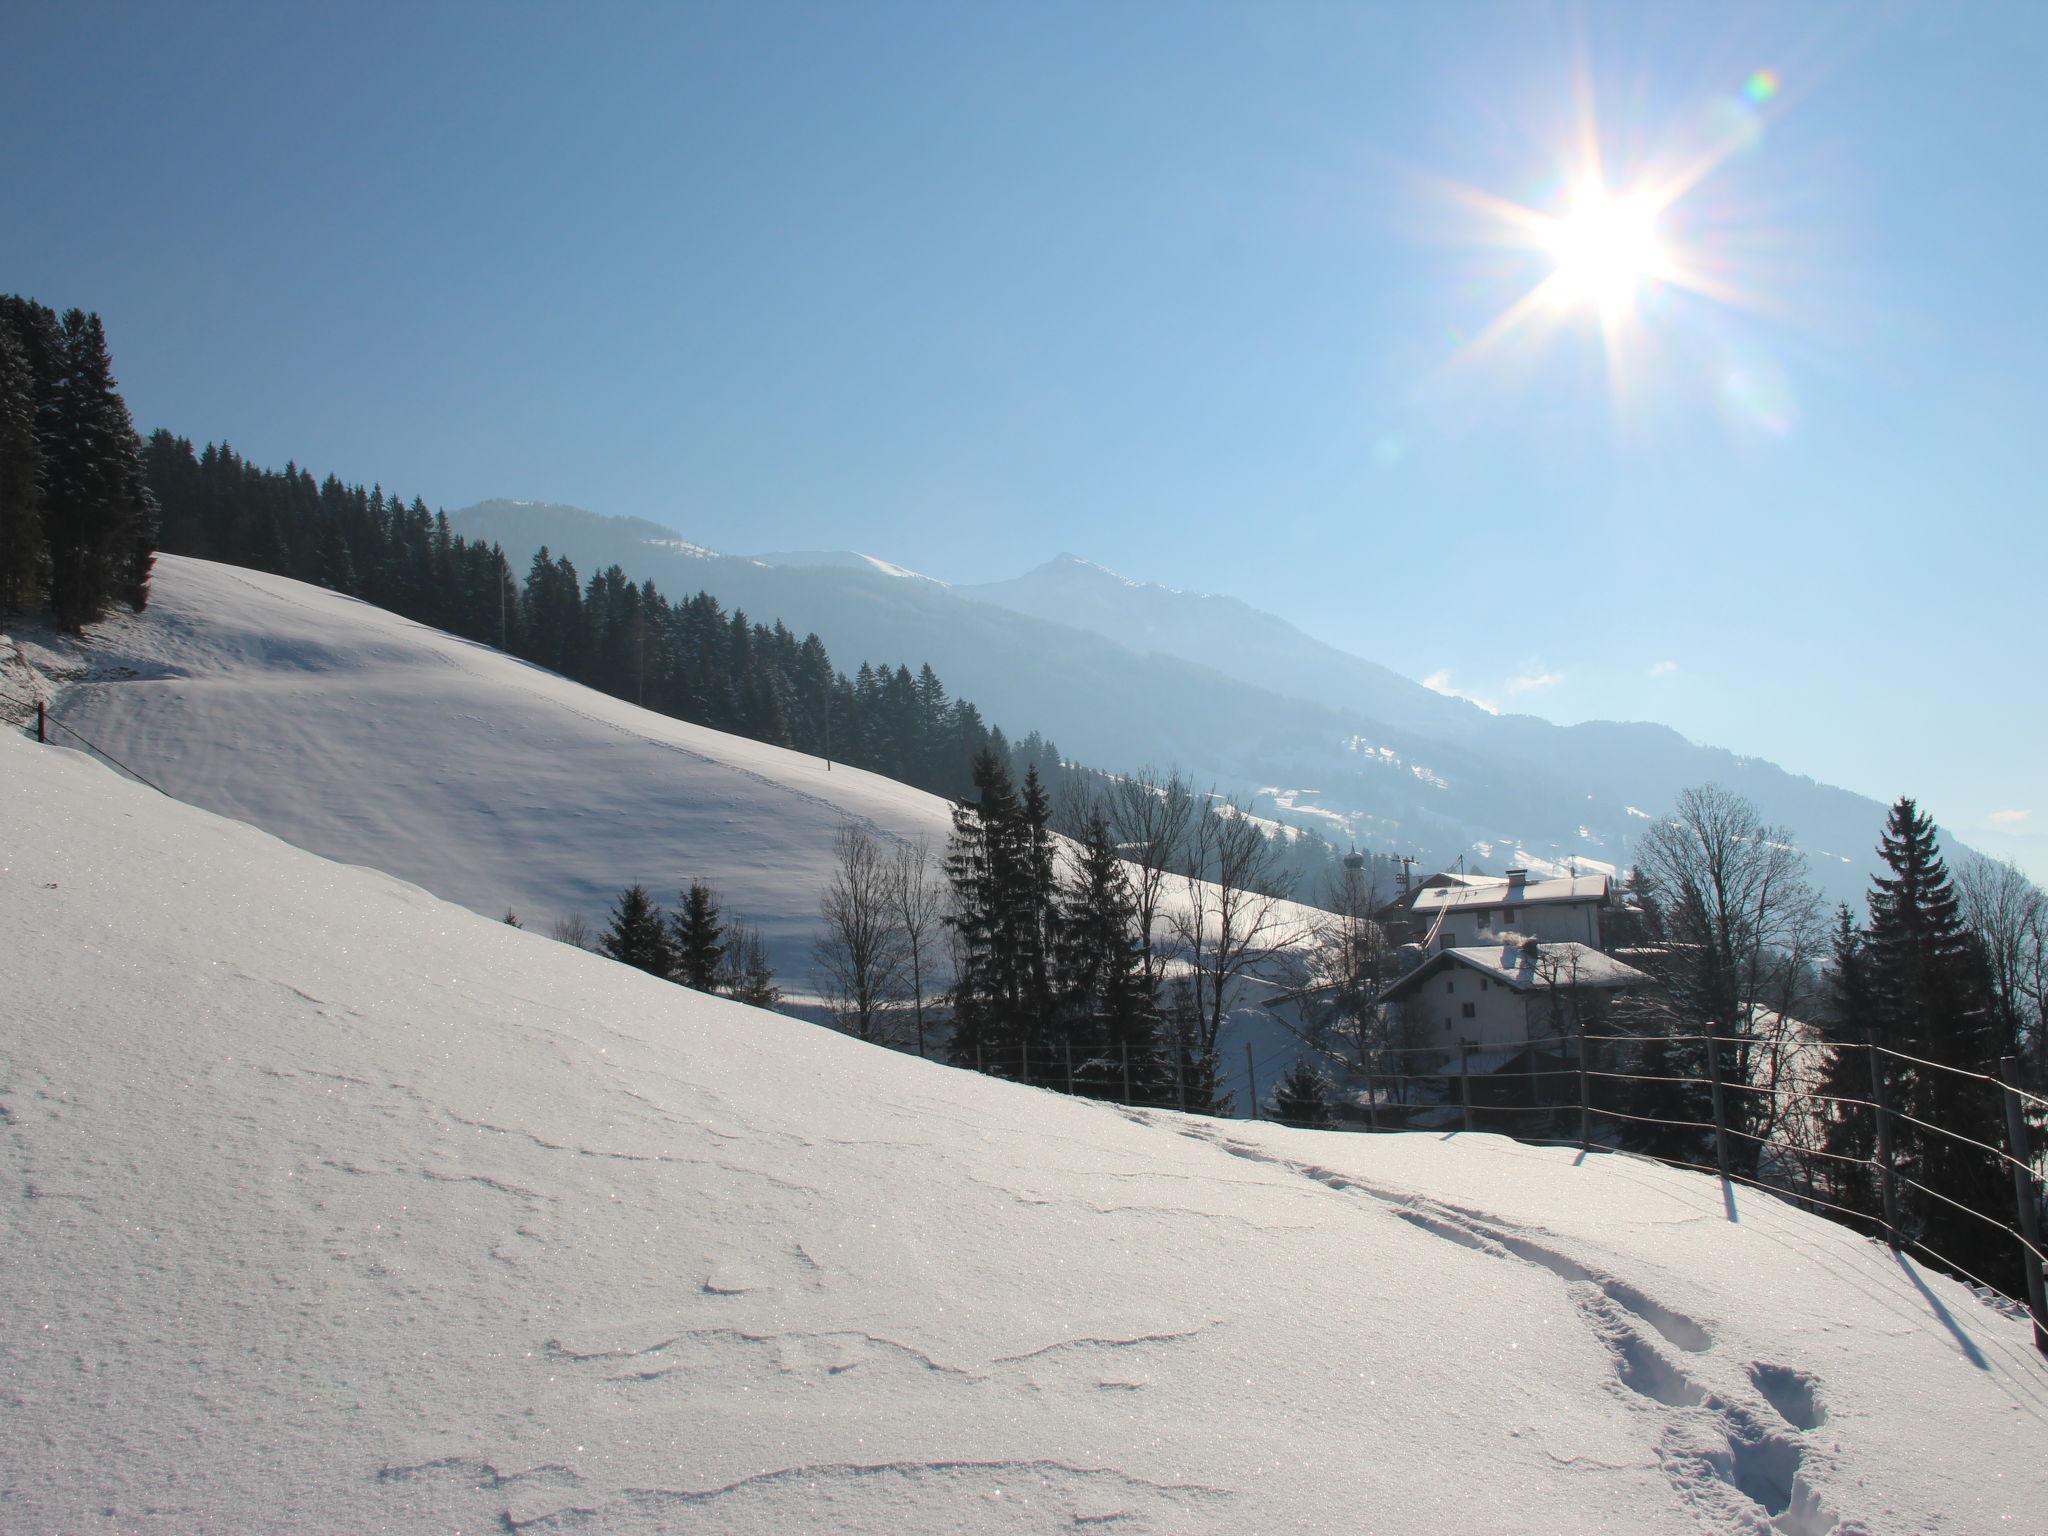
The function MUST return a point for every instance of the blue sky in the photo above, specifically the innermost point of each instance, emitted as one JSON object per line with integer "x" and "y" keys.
{"x": 1184, "y": 290}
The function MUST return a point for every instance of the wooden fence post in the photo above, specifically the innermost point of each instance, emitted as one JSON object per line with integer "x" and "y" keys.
{"x": 1886, "y": 1182}
{"x": 1720, "y": 1106}
{"x": 2023, "y": 1196}
{"x": 42, "y": 722}
{"x": 1125, "y": 1047}
{"x": 1465, "y": 1081}
{"x": 1070, "y": 1067}
{"x": 1251, "y": 1073}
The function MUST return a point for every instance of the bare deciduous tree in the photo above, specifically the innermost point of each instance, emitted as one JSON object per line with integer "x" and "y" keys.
{"x": 919, "y": 900}
{"x": 1149, "y": 816}
{"x": 2009, "y": 915}
{"x": 1234, "y": 916}
{"x": 572, "y": 928}
{"x": 861, "y": 955}
{"x": 1743, "y": 931}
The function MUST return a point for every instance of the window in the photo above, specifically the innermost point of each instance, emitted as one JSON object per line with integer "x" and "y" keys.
{"x": 1450, "y": 986}
{"x": 1484, "y": 983}
{"x": 1471, "y": 1010}
{"x": 1507, "y": 919}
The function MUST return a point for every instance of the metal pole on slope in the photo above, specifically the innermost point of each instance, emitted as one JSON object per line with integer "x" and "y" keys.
{"x": 1070, "y": 1066}
{"x": 42, "y": 722}
{"x": 1585, "y": 1098}
{"x": 1124, "y": 1046}
{"x": 1465, "y": 1081}
{"x": 1720, "y": 1103}
{"x": 2023, "y": 1196}
{"x": 1252, "y": 1076}
{"x": 1886, "y": 1181}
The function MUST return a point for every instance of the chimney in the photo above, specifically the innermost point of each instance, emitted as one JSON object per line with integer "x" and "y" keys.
{"x": 1517, "y": 877}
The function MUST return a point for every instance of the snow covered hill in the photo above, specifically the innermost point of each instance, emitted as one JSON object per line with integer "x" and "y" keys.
{"x": 371, "y": 739}
{"x": 329, "y": 1206}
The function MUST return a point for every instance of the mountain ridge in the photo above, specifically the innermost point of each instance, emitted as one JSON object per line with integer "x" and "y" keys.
{"x": 1122, "y": 672}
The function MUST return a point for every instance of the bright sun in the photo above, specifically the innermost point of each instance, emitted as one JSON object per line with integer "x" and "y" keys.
{"x": 1604, "y": 248}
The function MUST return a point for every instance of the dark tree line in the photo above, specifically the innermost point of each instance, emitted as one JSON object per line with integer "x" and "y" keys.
{"x": 1052, "y": 984}
{"x": 688, "y": 658}
{"x": 1916, "y": 979}
{"x": 694, "y": 946}
{"x": 77, "y": 523}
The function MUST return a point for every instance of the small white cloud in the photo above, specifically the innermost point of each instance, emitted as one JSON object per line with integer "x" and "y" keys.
{"x": 2007, "y": 818}
{"x": 1530, "y": 682}
{"x": 1663, "y": 668}
{"x": 1439, "y": 681}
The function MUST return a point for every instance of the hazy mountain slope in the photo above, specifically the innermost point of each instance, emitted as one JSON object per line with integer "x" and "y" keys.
{"x": 1121, "y": 673}
{"x": 331, "y": 1207}
{"x": 1229, "y": 635}
{"x": 1613, "y": 762}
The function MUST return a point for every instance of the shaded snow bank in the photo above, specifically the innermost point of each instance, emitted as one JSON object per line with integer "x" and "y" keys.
{"x": 330, "y": 1206}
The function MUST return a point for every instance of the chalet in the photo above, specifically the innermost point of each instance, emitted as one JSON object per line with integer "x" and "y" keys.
{"x": 1398, "y": 918}
{"x": 1497, "y": 997}
{"x": 1473, "y": 915}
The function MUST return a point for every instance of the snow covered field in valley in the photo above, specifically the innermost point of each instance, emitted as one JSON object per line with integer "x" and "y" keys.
{"x": 331, "y": 1206}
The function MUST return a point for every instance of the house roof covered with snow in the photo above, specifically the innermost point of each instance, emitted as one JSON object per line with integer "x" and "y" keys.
{"x": 1511, "y": 892}
{"x": 1527, "y": 967}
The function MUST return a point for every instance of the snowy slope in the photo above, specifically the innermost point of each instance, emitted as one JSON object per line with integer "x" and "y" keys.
{"x": 330, "y": 1206}
{"x": 369, "y": 738}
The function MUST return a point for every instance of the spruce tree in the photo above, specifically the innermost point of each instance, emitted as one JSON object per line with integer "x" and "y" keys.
{"x": 1105, "y": 1008}
{"x": 1929, "y": 996}
{"x": 1849, "y": 1131}
{"x": 697, "y": 939}
{"x": 982, "y": 865}
{"x": 98, "y": 517}
{"x": 1303, "y": 1098}
{"x": 638, "y": 935}
{"x": 21, "y": 478}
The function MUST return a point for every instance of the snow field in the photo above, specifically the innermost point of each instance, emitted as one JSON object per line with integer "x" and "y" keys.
{"x": 328, "y": 1205}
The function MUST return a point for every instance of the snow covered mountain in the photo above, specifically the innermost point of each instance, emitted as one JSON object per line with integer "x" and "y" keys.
{"x": 1121, "y": 673}
{"x": 331, "y": 1206}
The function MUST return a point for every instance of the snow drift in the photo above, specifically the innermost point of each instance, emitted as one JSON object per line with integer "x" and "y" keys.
{"x": 329, "y": 1205}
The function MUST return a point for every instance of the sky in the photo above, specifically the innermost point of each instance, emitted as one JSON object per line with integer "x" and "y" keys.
{"x": 1259, "y": 300}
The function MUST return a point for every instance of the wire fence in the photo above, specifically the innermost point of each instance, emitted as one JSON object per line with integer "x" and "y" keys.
{"x": 45, "y": 722}
{"x": 1865, "y": 1161}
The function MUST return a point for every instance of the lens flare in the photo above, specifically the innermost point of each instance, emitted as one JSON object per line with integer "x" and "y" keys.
{"x": 1761, "y": 86}
{"x": 1604, "y": 247}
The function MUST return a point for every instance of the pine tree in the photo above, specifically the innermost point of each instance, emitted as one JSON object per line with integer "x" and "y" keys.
{"x": 697, "y": 939}
{"x": 982, "y": 860}
{"x": 1929, "y": 996}
{"x": 21, "y": 479}
{"x": 1849, "y": 1131}
{"x": 98, "y": 516}
{"x": 1303, "y": 1098}
{"x": 638, "y": 935}
{"x": 1106, "y": 1011}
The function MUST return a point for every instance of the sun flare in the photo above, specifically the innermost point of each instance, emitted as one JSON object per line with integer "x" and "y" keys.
{"x": 1605, "y": 247}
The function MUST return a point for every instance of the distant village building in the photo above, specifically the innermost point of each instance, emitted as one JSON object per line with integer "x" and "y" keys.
{"x": 1499, "y": 996}
{"x": 1472, "y": 913}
